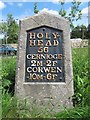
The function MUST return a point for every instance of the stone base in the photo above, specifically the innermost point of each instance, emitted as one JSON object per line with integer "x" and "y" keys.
{"x": 52, "y": 97}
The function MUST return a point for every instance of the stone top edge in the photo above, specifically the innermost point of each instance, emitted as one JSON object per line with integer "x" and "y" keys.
{"x": 45, "y": 13}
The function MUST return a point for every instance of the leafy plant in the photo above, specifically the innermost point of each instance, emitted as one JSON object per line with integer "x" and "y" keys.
{"x": 8, "y": 79}
{"x": 80, "y": 70}
{"x": 78, "y": 112}
{"x": 10, "y": 28}
{"x": 74, "y": 14}
{"x": 8, "y": 73}
{"x": 35, "y": 8}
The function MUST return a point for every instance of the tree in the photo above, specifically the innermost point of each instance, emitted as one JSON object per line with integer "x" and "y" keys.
{"x": 74, "y": 14}
{"x": 0, "y": 27}
{"x": 80, "y": 32}
{"x": 3, "y": 30}
{"x": 35, "y": 8}
{"x": 10, "y": 28}
{"x": 88, "y": 33}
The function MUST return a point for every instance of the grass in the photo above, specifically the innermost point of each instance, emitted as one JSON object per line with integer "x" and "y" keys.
{"x": 80, "y": 62}
{"x": 78, "y": 112}
{"x": 80, "y": 74}
{"x": 8, "y": 73}
{"x": 81, "y": 97}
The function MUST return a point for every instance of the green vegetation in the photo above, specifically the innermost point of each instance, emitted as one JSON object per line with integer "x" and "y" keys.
{"x": 78, "y": 112}
{"x": 8, "y": 73}
{"x": 80, "y": 73}
{"x": 74, "y": 14}
{"x": 71, "y": 16}
{"x": 35, "y": 8}
{"x": 80, "y": 32}
{"x": 10, "y": 28}
{"x": 13, "y": 109}
{"x": 81, "y": 98}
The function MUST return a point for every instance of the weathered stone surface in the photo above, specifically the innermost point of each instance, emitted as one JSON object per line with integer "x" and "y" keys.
{"x": 57, "y": 94}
